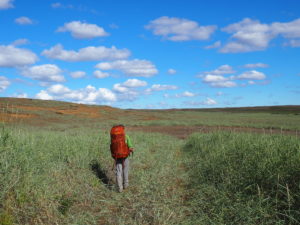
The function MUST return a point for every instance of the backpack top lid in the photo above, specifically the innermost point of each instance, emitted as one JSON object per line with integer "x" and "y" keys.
{"x": 118, "y": 129}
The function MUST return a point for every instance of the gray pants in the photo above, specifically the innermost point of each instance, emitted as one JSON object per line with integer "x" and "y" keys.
{"x": 122, "y": 169}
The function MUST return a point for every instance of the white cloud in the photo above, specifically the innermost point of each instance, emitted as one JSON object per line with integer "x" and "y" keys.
{"x": 133, "y": 83}
{"x": 120, "y": 88}
{"x": 251, "y": 35}
{"x": 217, "y": 44}
{"x": 6, "y": 4}
{"x": 171, "y": 71}
{"x": 58, "y": 89}
{"x": 214, "y": 78}
{"x": 78, "y": 74}
{"x": 209, "y": 101}
{"x": 56, "y": 5}
{"x": 248, "y": 35}
{"x": 22, "y": 41}
{"x": 83, "y": 30}
{"x": 90, "y": 53}
{"x": 224, "y": 69}
{"x": 160, "y": 87}
{"x": 256, "y": 65}
{"x": 43, "y": 95}
{"x": 253, "y": 75}
{"x": 21, "y": 95}
{"x": 44, "y": 73}
{"x": 292, "y": 43}
{"x": 185, "y": 94}
{"x": 23, "y": 20}
{"x": 178, "y": 29}
{"x": 287, "y": 30}
{"x": 10, "y": 56}
{"x": 223, "y": 84}
{"x": 217, "y": 78}
{"x": 87, "y": 95}
{"x": 136, "y": 67}
{"x": 100, "y": 74}
{"x": 4, "y": 83}
{"x": 128, "y": 89}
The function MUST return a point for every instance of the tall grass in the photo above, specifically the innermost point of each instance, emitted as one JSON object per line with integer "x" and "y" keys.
{"x": 65, "y": 177}
{"x": 52, "y": 177}
{"x": 243, "y": 178}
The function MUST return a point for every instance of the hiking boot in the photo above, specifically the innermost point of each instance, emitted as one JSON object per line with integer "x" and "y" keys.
{"x": 120, "y": 190}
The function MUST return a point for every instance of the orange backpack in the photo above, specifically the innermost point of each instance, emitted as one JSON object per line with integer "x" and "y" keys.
{"x": 118, "y": 146}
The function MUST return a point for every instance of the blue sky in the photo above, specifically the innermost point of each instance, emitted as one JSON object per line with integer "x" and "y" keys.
{"x": 152, "y": 54}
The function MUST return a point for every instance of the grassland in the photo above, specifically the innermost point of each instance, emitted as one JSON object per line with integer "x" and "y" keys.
{"x": 55, "y": 166}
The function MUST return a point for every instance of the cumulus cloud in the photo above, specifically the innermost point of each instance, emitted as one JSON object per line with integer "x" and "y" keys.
{"x": 217, "y": 78}
{"x": 185, "y": 94}
{"x": 57, "y": 5}
{"x": 214, "y": 78}
{"x": 217, "y": 44}
{"x": 43, "y": 95}
{"x": 22, "y": 41}
{"x": 292, "y": 43}
{"x": 100, "y": 74}
{"x": 223, "y": 84}
{"x": 6, "y": 4}
{"x": 90, "y": 53}
{"x": 207, "y": 102}
{"x": 251, "y": 35}
{"x": 10, "y": 56}
{"x": 78, "y": 74}
{"x": 160, "y": 87}
{"x": 125, "y": 94}
{"x": 133, "y": 83}
{"x": 21, "y": 95}
{"x": 248, "y": 35}
{"x": 81, "y": 30}
{"x": 253, "y": 75}
{"x": 136, "y": 67}
{"x": 179, "y": 29}
{"x": 287, "y": 30}
{"x": 4, "y": 83}
{"x": 128, "y": 89}
{"x": 87, "y": 95}
{"x": 171, "y": 71}
{"x": 44, "y": 73}
{"x": 224, "y": 69}
{"x": 23, "y": 20}
{"x": 256, "y": 65}
{"x": 120, "y": 88}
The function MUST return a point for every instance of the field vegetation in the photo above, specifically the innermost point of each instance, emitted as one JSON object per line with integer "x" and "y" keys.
{"x": 56, "y": 168}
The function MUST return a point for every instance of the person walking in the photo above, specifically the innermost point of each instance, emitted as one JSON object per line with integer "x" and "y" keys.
{"x": 121, "y": 147}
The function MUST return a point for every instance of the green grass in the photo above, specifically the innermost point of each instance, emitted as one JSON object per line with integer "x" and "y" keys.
{"x": 65, "y": 178}
{"x": 63, "y": 175}
{"x": 275, "y": 117}
{"x": 244, "y": 178}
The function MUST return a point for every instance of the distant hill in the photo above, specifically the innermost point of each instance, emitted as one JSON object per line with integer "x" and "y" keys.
{"x": 45, "y": 112}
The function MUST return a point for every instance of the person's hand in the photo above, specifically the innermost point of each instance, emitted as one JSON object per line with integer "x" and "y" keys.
{"x": 131, "y": 149}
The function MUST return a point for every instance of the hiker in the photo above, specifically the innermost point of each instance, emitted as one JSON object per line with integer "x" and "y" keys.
{"x": 121, "y": 148}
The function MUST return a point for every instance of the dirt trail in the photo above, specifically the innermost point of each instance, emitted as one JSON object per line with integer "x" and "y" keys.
{"x": 183, "y": 132}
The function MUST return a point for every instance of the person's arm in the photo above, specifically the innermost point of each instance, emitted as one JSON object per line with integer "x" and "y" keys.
{"x": 129, "y": 143}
